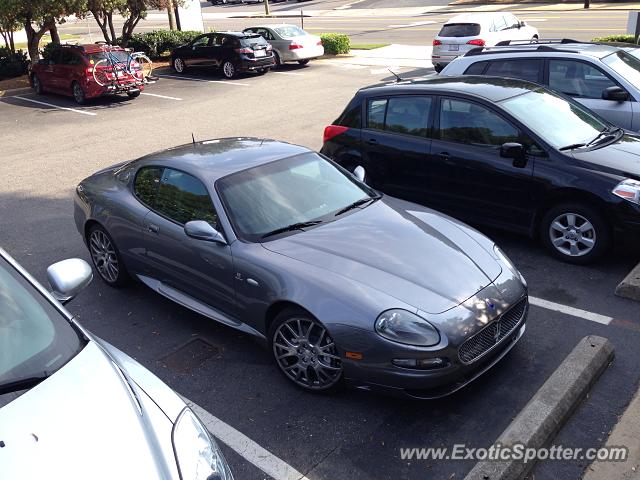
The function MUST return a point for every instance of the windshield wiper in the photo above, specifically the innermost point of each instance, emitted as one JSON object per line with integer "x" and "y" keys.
{"x": 573, "y": 146}
{"x": 357, "y": 204}
{"x": 605, "y": 133}
{"x": 22, "y": 383}
{"x": 293, "y": 226}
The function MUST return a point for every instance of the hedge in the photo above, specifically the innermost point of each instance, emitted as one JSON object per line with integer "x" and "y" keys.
{"x": 616, "y": 38}
{"x": 335, "y": 43}
{"x": 12, "y": 64}
{"x": 160, "y": 42}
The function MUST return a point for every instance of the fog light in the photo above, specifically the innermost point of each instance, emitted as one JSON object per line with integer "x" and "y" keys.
{"x": 421, "y": 363}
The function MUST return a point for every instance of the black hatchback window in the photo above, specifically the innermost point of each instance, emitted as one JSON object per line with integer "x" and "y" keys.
{"x": 476, "y": 68}
{"x": 146, "y": 184}
{"x": 524, "y": 69}
{"x": 460, "y": 30}
{"x": 182, "y": 198}
{"x": 408, "y": 115}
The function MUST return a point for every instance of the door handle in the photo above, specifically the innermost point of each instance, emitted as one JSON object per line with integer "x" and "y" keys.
{"x": 153, "y": 228}
{"x": 372, "y": 141}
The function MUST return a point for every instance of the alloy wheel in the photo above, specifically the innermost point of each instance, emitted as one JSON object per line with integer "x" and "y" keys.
{"x": 307, "y": 354}
{"x": 228, "y": 69}
{"x": 104, "y": 256}
{"x": 572, "y": 234}
{"x": 178, "y": 64}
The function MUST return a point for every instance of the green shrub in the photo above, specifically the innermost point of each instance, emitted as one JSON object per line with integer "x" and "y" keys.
{"x": 616, "y": 38}
{"x": 335, "y": 43}
{"x": 48, "y": 50}
{"x": 159, "y": 42}
{"x": 12, "y": 64}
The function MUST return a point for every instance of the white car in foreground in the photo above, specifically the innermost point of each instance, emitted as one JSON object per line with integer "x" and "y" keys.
{"x": 471, "y": 30}
{"x": 74, "y": 407}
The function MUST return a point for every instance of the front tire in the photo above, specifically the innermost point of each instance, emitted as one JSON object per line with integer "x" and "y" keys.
{"x": 106, "y": 258}
{"x": 575, "y": 233}
{"x": 78, "y": 93}
{"x": 178, "y": 65}
{"x": 304, "y": 351}
{"x": 37, "y": 85}
{"x": 228, "y": 69}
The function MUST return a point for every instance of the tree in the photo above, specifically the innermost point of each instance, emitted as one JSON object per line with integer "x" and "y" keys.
{"x": 8, "y": 24}
{"x": 131, "y": 10}
{"x": 40, "y": 16}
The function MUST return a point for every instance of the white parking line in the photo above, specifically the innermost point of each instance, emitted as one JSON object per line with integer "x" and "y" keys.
{"x": 245, "y": 447}
{"x": 161, "y": 96}
{"x": 575, "y": 312}
{"x": 226, "y": 82}
{"x": 290, "y": 73}
{"x": 54, "y": 106}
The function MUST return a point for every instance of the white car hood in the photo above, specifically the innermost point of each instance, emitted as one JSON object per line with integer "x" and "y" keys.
{"x": 80, "y": 423}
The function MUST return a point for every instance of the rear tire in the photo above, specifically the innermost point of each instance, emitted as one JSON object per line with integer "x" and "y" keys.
{"x": 303, "y": 62}
{"x": 37, "y": 84}
{"x": 262, "y": 71}
{"x": 575, "y": 233}
{"x": 78, "y": 93}
{"x": 133, "y": 94}
{"x": 106, "y": 258}
{"x": 228, "y": 69}
{"x": 438, "y": 68}
{"x": 276, "y": 57}
{"x": 178, "y": 65}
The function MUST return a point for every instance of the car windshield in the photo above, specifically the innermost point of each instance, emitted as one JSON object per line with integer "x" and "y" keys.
{"x": 117, "y": 55}
{"x": 300, "y": 189}
{"x": 289, "y": 31}
{"x": 35, "y": 338}
{"x": 558, "y": 121}
{"x": 625, "y": 65}
{"x": 460, "y": 30}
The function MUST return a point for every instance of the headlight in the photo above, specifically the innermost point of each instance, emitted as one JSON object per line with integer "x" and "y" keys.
{"x": 628, "y": 189}
{"x": 508, "y": 263}
{"x": 197, "y": 454}
{"x": 405, "y": 327}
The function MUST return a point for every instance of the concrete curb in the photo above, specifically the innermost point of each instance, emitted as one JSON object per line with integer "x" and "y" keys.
{"x": 630, "y": 286}
{"x": 14, "y": 91}
{"x": 539, "y": 421}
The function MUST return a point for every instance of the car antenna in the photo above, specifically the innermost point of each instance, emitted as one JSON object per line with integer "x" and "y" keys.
{"x": 193, "y": 139}
{"x": 398, "y": 79}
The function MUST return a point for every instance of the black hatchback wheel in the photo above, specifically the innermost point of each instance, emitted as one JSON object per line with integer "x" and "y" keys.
{"x": 305, "y": 352}
{"x": 575, "y": 233}
{"x": 106, "y": 257}
{"x": 228, "y": 69}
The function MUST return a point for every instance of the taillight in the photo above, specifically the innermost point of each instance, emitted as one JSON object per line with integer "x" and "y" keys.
{"x": 436, "y": 43}
{"x": 333, "y": 130}
{"x": 244, "y": 50}
{"x": 89, "y": 70}
{"x": 479, "y": 42}
{"x": 294, "y": 46}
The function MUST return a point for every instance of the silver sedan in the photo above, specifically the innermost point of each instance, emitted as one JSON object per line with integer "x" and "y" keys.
{"x": 290, "y": 43}
{"x": 337, "y": 280}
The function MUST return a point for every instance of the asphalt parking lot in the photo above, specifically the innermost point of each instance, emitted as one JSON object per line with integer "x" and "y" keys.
{"x": 50, "y": 144}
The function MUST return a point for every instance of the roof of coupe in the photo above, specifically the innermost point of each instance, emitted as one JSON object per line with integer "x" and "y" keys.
{"x": 493, "y": 89}
{"x": 217, "y": 158}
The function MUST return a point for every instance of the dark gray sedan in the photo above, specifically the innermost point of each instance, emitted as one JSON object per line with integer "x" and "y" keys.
{"x": 340, "y": 282}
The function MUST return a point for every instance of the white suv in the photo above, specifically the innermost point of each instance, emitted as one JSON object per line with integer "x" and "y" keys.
{"x": 471, "y": 30}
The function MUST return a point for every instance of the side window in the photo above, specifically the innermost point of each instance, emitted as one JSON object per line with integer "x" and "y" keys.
{"x": 376, "y": 111}
{"x": 467, "y": 122}
{"x": 352, "y": 118}
{"x": 476, "y": 68}
{"x": 145, "y": 186}
{"x": 525, "y": 69}
{"x": 408, "y": 115}
{"x": 266, "y": 34}
{"x": 201, "y": 41}
{"x": 499, "y": 23}
{"x": 511, "y": 21}
{"x": 182, "y": 198}
{"x": 577, "y": 79}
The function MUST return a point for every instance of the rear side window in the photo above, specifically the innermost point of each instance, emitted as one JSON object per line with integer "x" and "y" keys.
{"x": 182, "y": 198}
{"x": 525, "y": 69}
{"x": 408, "y": 115}
{"x": 145, "y": 186}
{"x": 460, "y": 30}
{"x": 476, "y": 68}
{"x": 352, "y": 118}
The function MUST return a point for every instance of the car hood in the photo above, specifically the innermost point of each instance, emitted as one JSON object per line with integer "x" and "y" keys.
{"x": 81, "y": 422}
{"x": 620, "y": 158}
{"x": 409, "y": 252}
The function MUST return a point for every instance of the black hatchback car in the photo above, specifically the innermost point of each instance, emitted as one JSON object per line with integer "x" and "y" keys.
{"x": 231, "y": 52}
{"x": 499, "y": 152}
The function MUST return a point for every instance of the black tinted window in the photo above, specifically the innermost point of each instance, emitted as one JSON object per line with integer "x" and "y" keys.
{"x": 476, "y": 68}
{"x": 408, "y": 115}
{"x": 460, "y": 30}
{"x": 146, "y": 184}
{"x": 468, "y": 122}
{"x": 352, "y": 118}
{"x": 525, "y": 69}
{"x": 376, "y": 111}
{"x": 183, "y": 198}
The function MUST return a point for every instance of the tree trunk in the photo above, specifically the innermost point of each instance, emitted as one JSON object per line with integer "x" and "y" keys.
{"x": 172, "y": 15}
{"x": 128, "y": 27}
{"x": 55, "y": 36}
{"x": 33, "y": 39}
{"x": 111, "y": 28}
{"x": 101, "y": 19}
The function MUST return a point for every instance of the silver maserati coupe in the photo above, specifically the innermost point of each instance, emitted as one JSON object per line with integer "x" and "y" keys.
{"x": 341, "y": 282}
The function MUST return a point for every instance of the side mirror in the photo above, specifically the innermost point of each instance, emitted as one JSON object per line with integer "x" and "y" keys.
{"x": 514, "y": 151}
{"x": 201, "y": 230}
{"x": 522, "y": 24}
{"x": 68, "y": 277}
{"x": 615, "y": 94}
{"x": 359, "y": 172}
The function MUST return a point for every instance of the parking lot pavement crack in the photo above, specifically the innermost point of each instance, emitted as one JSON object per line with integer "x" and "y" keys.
{"x": 305, "y": 476}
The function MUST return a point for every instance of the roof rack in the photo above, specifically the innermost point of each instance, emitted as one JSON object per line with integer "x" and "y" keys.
{"x": 505, "y": 43}
{"x": 539, "y": 48}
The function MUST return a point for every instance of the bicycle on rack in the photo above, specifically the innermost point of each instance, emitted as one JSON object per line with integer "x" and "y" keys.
{"x": 121, "y": 70}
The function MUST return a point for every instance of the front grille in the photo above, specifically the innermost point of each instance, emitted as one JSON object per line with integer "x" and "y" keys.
{"x": 493, "y": 333}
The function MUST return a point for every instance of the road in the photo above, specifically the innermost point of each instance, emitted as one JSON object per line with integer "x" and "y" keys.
{"x": 366, "y": 22}
{"x": 49, "y": 146}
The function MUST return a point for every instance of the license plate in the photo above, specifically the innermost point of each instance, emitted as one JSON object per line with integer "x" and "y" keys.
{"x": 454, "y": 48}
{"x": 260, "y": 53}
